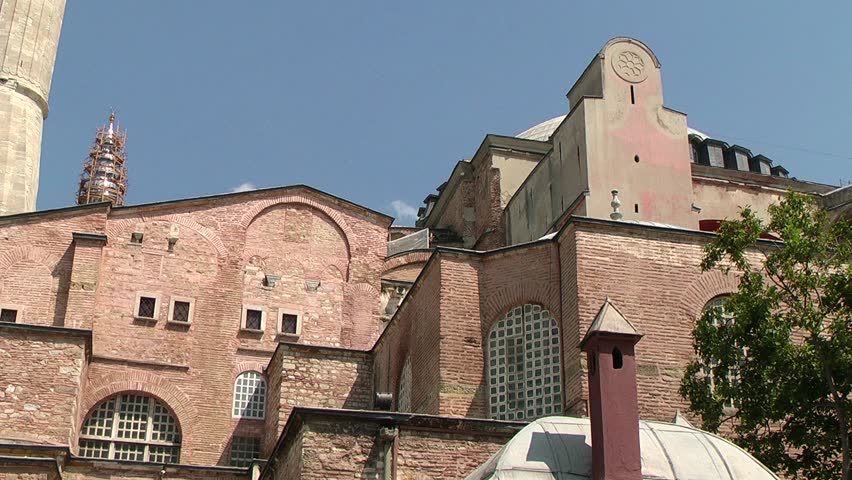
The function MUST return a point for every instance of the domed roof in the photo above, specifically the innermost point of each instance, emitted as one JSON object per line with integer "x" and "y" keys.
{"x": 560, "y": 448}
{"x": 545, "y": 129}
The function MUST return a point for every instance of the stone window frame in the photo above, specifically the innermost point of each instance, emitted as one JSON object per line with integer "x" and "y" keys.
{"x": 107, "y": 418}
{"x": 244, "y": 448}
{"x": 157, "y": 305}
{"x": 280, "y": 321}
{"x": 240, "y": 404}
{"x": 19, "y": 316}
{"x": 191, "y": 315}
{"x": 507, "y": 383}
{"x": 246, "y": 308}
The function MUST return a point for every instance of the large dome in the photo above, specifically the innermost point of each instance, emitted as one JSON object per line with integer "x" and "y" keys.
{"x": 560, "y": 448}
{"x": 545, "y": 129}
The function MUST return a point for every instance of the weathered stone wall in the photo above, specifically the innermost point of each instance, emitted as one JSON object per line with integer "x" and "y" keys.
{"x": 40, "y": 382}
{"x": 319, "y": 377}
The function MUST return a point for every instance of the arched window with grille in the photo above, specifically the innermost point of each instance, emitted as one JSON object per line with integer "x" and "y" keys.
{"x": 524, "y": 366}
{"x": 250, "y": 396}
{"x": 131, "y": 427}
{"x": 721, "y": 315}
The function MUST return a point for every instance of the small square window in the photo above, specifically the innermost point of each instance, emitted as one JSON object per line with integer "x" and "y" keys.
{"x": 8, "y": 315}
{"x": 180, "y": 311}
{"x": 136, "y": 237}
{"x": 147, "y": 307}
{"x": 254, "y": 319}
{"x": 289, "y": 324}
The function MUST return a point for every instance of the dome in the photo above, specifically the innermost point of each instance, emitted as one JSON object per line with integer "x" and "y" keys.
{"x": 545, "y": 129}
{"x": 560, "y": 448}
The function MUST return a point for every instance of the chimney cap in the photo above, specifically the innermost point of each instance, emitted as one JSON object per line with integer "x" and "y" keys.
{"x": 610, "y": 321}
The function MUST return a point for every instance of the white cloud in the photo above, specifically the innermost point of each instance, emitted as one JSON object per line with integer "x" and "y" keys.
{"x": 403, "y": 210}
{"x": 244, "y": 187}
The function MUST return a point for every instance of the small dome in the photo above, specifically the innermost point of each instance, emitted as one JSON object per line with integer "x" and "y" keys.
{"x": 560, "y": 448}
{"x": 543, "y": 130}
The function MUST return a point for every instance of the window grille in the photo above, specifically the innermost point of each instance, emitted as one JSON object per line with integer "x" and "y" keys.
{"x": 724, "y": 316}
{"x": 289, "y": 324}
{"x": 524, "y": 366}
{"x": 147, "y": 307}
{"x": 244, "y": 450}
{"x": 131, "y": 427}
{"x": 180, "y": 312}
{"x": 8, "y": 315}
{"x": 254, "y": 319}
{"x": 403, "y": 403}
{"x": 249, "y": 395}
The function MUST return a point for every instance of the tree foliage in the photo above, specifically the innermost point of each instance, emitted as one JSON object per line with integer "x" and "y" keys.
{"x": 781, "y": 356}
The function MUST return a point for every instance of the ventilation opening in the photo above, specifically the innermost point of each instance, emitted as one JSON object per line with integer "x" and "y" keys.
{"x": 636, "y": 158}
{"x": 635, "y": 208}
{"x": 632, "y": 95}
{"x": 617, "y": 359}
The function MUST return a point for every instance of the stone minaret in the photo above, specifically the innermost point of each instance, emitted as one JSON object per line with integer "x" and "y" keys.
{"x": 29, "y": 35}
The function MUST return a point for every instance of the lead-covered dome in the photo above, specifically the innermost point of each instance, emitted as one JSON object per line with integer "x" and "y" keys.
{"x": 560, "y": 448}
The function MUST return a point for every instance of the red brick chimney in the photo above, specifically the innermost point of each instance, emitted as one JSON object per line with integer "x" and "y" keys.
{"x": 613, "y": 406}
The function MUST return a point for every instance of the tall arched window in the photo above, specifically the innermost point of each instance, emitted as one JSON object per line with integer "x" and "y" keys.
{"x": 131, "y": 427}
{"x": 524, "y": 373}
{"x": 250, "y": 395}
{"x": 721, "y": 316}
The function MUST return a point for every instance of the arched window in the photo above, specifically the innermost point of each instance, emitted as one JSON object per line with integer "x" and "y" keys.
{"x": 721, "y": 316}
{"x": 131, "y": 427}
{"x": 250, "y": 395}
{"x": 524, "y": 373}
{"x": 403, "y": 403}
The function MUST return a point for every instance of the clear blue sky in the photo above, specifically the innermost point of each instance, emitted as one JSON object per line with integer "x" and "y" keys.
{"x": 376, "y": 101}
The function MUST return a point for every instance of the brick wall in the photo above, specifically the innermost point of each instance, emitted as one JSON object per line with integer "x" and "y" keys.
{"x": 223, "y": 247}
{"x": 36, "y": 257}
{"x": 414, "y": 333}
{"x": 433, "y": 455}
{"x": 40, "y": 383}
{"x": 654, "y": 278}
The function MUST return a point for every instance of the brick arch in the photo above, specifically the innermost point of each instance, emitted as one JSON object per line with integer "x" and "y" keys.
{"x": 259, "y": 207}
{"x": 706, "y": 287}
{"x": 145, "y": 383}
{"x": 419, "y": 256}
{"x": 246, "y": 366}
{"x": 116, "y": 227}
{"x": 28, "y": 253}
{"x": 505, "y": 299}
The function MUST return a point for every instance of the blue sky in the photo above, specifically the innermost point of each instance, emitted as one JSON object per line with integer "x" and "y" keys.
{"x": 376, "y": 101}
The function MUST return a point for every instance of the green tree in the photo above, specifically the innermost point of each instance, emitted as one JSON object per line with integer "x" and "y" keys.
{"x": 780, "y": 351}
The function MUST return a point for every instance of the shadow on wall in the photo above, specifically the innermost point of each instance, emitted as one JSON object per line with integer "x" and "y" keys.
{"x": 561, "y": 452}
{"x": 360, "y": 396}
{"x": 245, "y": 428}
{"x": 62, "y": 272}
